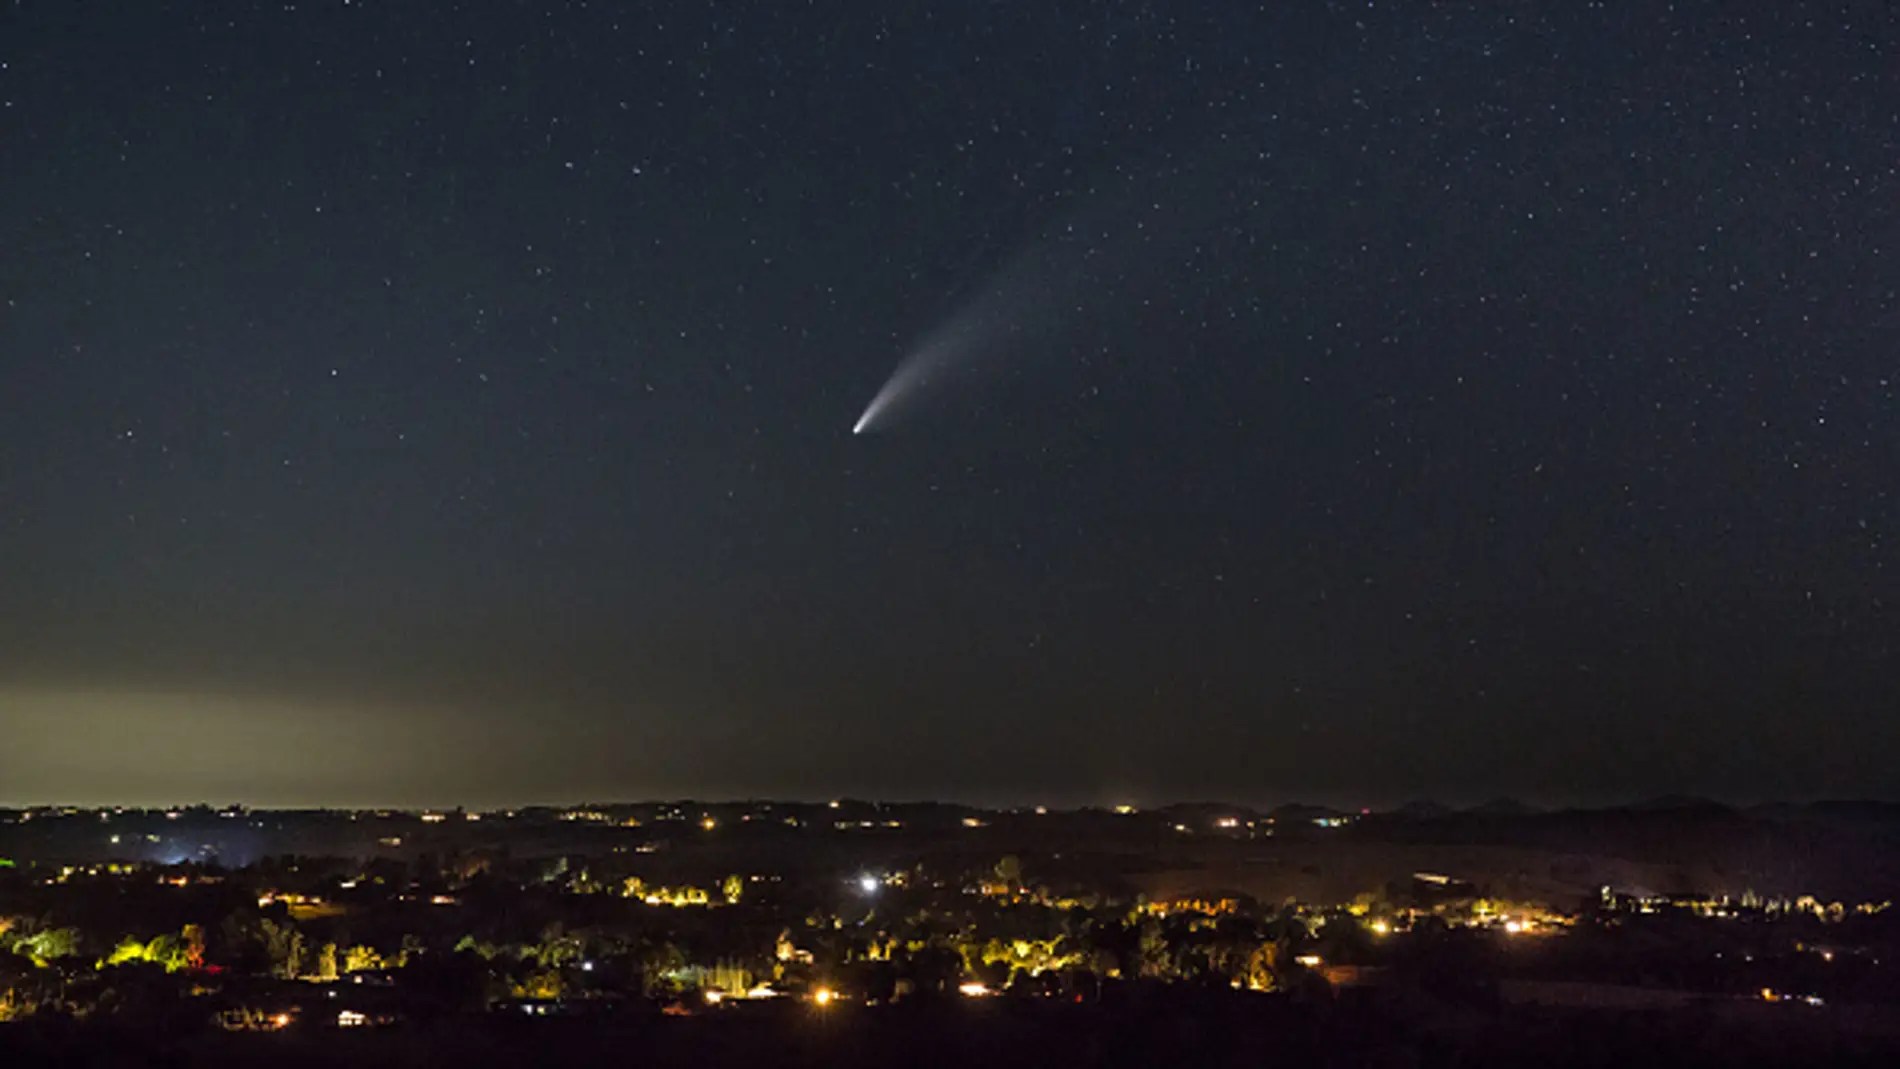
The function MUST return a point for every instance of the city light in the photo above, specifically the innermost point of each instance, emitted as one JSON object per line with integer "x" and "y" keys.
{"x": 823, "y": 996}
{"x": 973, "y": 990}
{"x": 868, "y": 884}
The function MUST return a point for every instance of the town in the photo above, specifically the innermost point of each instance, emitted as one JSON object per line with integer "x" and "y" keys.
{"x": 223, "y": 921}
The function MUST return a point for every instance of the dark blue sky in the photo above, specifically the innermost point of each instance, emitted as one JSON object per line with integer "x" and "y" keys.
{"x": 452, "y": 402}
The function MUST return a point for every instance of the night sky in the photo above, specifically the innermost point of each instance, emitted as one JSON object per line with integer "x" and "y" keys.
{"x": 452, "y": 403}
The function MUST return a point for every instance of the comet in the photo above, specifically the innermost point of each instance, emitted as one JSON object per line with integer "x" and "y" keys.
{"x": 1016, "y": 306}
{"x": 1097, "y": 263}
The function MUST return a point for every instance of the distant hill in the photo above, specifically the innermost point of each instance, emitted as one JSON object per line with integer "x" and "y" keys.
{"x": 1204, "y": 812}
{"x": 1504, "y": 807}
{"x": 1677, "y": 803}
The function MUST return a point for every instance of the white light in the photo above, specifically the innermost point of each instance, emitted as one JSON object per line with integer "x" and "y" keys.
{"x": 868, "y": 884}
{"x": 973, "y": 990}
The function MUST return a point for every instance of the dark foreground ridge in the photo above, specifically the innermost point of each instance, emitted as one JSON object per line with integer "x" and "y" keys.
{"x": 1209, "y": 1029}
